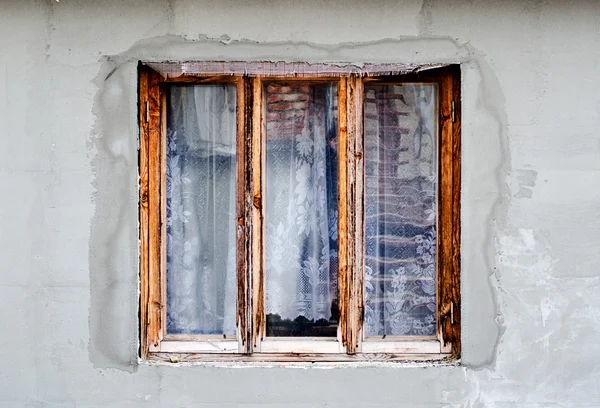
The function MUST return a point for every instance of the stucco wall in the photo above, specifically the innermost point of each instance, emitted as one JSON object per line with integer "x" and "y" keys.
{"x": 531, "y": 196}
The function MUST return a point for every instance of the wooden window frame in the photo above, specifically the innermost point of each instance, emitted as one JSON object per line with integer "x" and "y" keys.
{"x": 250, "y": 344}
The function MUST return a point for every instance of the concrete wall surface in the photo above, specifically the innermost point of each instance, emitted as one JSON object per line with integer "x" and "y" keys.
{"x": 530, "y": 196}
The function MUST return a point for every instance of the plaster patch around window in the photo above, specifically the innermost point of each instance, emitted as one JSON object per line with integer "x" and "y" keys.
{"x": 114, "y": 250}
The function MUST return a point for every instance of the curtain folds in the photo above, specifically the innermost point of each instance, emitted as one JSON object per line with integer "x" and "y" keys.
{"x": 201, "y": 201}
{"x": 301, "y": 208}
{"x": 401, "y": 209}
{"x": 301, "y": 203}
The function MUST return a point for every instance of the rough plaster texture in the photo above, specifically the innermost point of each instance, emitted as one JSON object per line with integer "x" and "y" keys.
{"x": 531, "y": 202}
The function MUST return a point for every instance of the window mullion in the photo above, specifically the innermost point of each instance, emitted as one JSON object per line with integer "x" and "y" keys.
{"x": 343, "y": 211}
{"x": 243, "y": 143}
{"x": 356, "y": 295}
{"x": 257, "y": 234}
{"x": 351, "y": 217}
{"x": 355, "y": 186}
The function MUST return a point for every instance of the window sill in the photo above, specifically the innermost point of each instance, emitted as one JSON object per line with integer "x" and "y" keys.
{"x": 302, "y": 360}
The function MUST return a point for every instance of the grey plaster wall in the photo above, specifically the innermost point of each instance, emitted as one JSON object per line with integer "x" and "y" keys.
{"x": 531, "y": 196}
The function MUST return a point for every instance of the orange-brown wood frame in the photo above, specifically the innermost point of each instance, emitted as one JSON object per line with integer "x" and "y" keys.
{"x": 250, "y": 233}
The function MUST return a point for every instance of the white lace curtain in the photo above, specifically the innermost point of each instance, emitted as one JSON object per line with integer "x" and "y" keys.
{"x": 301, "y": 208}
{"x": 201, "y": 201}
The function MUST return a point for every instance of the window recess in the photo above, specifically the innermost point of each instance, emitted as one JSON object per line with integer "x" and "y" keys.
{"x": 296, "y": 212}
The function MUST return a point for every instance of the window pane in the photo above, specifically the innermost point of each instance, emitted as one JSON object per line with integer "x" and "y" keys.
{"x": 301, "y": 210}
{"x": 401, "y": 182}
{"x": 201, "y": 201}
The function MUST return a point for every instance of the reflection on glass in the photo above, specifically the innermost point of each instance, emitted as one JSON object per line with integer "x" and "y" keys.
{"x": 400, "y": 182}
{"x": 201, "y": 129}
{"x": 301, "y": 209}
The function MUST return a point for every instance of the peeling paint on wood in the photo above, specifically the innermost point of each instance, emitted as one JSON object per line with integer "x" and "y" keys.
{"x": 143, "y": 212}
{"x": 302, "y": 357}
{"x": 257, "y": 169}
{"x": 354, "y": 206}
{"x": 155, "y": 227}
{"x": 343, "y": 209}
{"x": 174, "y": 70}
{"x": 449, "y": 213}
{"x": 241, "y": 229}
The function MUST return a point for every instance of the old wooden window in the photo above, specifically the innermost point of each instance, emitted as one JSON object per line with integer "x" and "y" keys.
{"x": 296, "y": 212}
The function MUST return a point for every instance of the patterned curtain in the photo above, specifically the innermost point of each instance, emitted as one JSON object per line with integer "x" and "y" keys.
{"x": 300, "y": 207}
{"x": 401, "y": 182}
{"x": 201, "y": 201}
{"x": 301, "y": 202}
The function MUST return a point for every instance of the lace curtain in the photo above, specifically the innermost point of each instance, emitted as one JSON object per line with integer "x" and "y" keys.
{"x": 300, "y": 206}
{"x": 301, "y": 203}
{"x": 401, "y": 183}
{"x": 201, "y": 202}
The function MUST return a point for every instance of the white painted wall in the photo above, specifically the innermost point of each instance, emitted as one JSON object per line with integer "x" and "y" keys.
{"x": 531, "y": 196}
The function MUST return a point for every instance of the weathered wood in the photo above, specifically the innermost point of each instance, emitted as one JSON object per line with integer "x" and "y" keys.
{"x": 286, "y": 80}
{"x": 195, "y": 79}
{"x": 143, "y": 203}
{"x": 262, "y": 277}
{"x": 355, "y": 213}
{"x": 155, "y": 303}
{"x": 203, "y": 346}
{"x": 456, "y": 183}
{"x": 359, "y": 232}
{"x": 285, "y": 69}
{"x": 401, "y": 347}
{"x": 444, "y": 227}
{"x": 343, "y": 282}
{"x": 448, "y": 257}
{"x": 197, "y": 337}
{"x": 257, "y": 205}
{"x": 250, "y": 162}
{"x": 302, "y": 358}
{"x": 297, "y": 345}
{"x": 249, "y": 210}
{"x": 241, "y": 227}
{"x": 391, "y": 339}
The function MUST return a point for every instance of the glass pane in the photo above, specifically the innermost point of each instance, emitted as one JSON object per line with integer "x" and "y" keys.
{"x": 401, "y": 182}
{"x": 301, "y": 210}
{"x": 201, "y": 201}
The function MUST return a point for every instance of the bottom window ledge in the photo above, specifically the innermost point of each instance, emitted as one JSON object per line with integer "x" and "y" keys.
{"x": 303, "y": 359}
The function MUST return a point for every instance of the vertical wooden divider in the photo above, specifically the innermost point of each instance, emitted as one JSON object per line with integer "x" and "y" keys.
{"x": 351, "y": 211}
{"x": 354, "y": 211}
{"x": 155, "y": 303}
{"x": 444, "y": 212}
{"x": 242, "y": 133}
{"x": 343, "y": 210}
{"x": 449, "y": 218}
{"x": 257, "y": 265}
{"x": 456, "y": 182}
{"x": 358, "y": 272}
{"x": 143, "y": 233}
{"x": 249, "y": 214}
